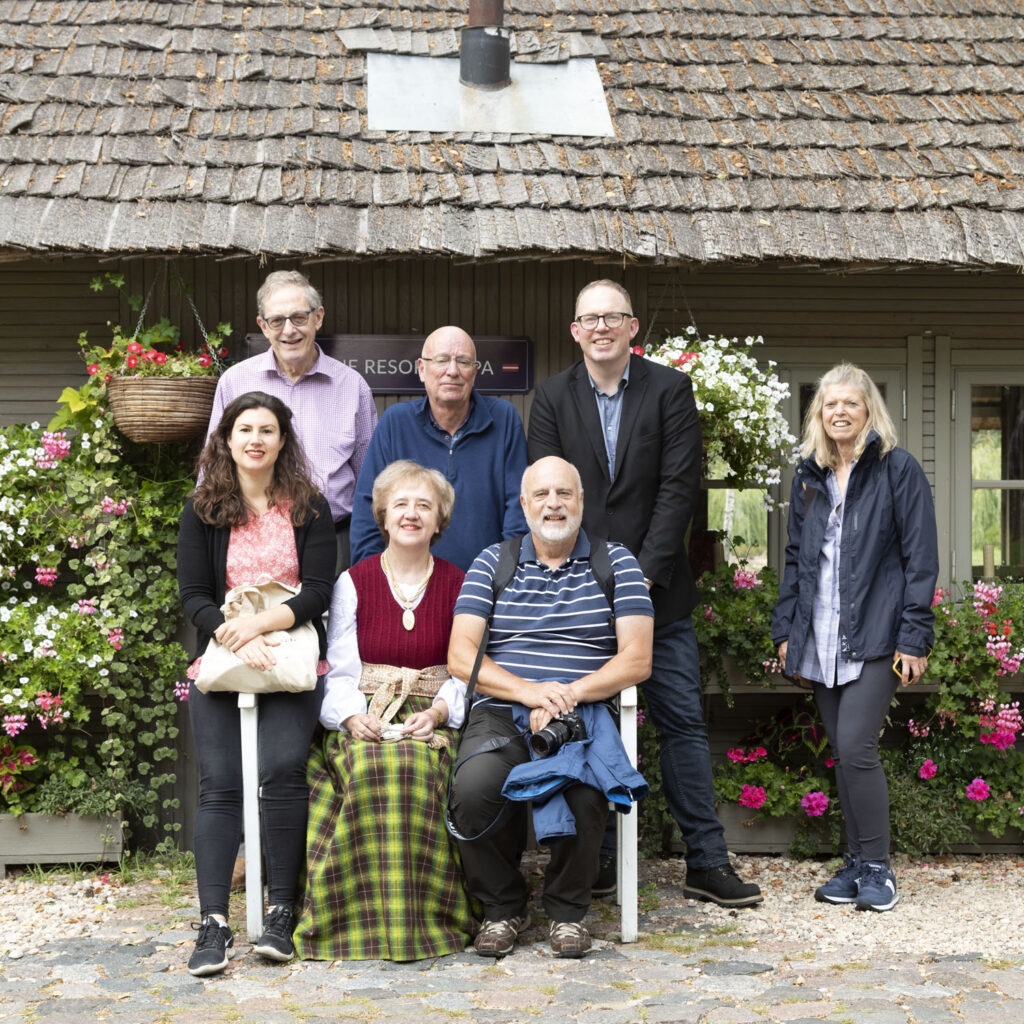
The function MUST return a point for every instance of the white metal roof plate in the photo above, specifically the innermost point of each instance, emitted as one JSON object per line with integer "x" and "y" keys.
{"x": 424, "y": 94}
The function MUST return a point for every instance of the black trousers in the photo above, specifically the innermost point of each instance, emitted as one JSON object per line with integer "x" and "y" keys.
{"x": 492, "y": 862}
{"x": 286, "y": 725}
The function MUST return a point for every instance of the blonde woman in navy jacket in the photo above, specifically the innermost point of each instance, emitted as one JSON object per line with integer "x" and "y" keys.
{"x": 854, "y": 614}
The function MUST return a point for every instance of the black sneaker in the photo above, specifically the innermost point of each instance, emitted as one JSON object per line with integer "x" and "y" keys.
{"x": 275, "y": 943}
{"x": 214, "y": 948}
{"x": 607, "y": 877}
{"x": 721, "y": 885}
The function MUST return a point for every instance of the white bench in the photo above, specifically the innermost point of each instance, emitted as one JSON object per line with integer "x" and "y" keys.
{"x": 626, "y": 894}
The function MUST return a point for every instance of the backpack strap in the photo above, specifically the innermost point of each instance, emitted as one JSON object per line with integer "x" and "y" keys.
{"x": 508, "y": 559}
{"x": 601, "y": 566}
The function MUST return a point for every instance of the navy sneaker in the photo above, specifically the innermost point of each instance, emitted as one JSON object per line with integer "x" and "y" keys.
{"x": 842, "y": 886}
{"x": 214, "y": 947}
{"x": 876, "y": 889}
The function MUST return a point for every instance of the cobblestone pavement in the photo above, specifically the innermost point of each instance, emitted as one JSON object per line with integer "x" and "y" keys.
{"x": 689, "y": 966}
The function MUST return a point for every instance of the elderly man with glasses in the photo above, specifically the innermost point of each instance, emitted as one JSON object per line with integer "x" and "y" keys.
{"x": 475, "y": 440}
{"x": 333, "y": 408}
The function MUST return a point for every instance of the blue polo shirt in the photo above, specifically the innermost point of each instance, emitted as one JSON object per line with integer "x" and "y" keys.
{"x": 553, "y": 624}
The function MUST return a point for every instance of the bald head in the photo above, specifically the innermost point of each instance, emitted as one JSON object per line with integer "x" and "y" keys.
{"x": 552, "y": 498}
{"x": 447, "y": 367}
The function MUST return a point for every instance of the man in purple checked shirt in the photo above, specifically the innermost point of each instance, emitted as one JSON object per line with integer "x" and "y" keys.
{"x": 333, "y": 408}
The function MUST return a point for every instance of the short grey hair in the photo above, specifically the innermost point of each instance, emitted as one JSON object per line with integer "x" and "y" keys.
{"x": 576, "y": 473}
{"x": 285, "y": 279}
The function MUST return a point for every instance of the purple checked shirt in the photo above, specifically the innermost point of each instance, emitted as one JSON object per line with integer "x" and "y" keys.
{"x": 333, "y": 412}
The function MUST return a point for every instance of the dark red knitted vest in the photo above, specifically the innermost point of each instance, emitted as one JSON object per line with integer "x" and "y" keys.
{"x": 382, "y": 638}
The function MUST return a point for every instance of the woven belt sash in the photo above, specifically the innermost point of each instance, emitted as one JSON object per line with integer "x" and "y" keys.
{"x": 390, "y": 685}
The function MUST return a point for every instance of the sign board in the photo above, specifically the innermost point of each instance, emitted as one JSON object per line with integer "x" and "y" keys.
{"x": 388, "y": 361}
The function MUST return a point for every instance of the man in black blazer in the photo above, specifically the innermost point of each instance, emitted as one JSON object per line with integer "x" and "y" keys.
{"x": 632, "y": 429}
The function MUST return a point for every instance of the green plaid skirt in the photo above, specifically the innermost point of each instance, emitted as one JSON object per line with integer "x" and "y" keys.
{"x": 383, "y": 878}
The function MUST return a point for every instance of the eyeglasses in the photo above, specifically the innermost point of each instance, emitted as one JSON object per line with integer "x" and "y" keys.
{"x": 588, "y": 321}
{"x": 443, "y": 362}
{"x": 275, "y": 323}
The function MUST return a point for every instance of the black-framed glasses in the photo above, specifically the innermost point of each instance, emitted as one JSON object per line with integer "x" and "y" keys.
{"x": 300, "y": 319}
{"x": 442, "y": 362}
{"x": 588, "y": 321}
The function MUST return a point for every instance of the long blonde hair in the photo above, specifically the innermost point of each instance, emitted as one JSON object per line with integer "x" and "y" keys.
{"x": 817, "y": 443}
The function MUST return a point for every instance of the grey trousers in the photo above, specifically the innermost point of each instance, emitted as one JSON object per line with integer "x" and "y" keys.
{"x": 853, "y": 715}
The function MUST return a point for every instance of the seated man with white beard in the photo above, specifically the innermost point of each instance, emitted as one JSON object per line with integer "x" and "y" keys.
{"x": 554, "y": 647}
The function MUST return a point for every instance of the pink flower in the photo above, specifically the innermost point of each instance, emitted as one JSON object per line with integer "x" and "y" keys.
{"x": 637, "y": 350}
{"x": 640, "y": 716}
{"x": 159, "y": 358}
{"x": 204, "y": 359}
{"x": 737, "y": 754}
{"x": 85, "y": 606}
{"x": 928, "y": 769}
{"x": 13, "y": 724}
{"x": 752, "y": 796}
{"x": 978, "y": 790}
{"x": 92, "y": 369}
{"x": 131, "y": 362}
{"x": 46, "y": 577}
{"x": 830, "y": 762}
{"x": 134, "y": 348}
{"x": 181, "y": 689}
{"x": 815, "y": 804}
{"x": 115, "y": 637}
{"x": 744, "y": 580}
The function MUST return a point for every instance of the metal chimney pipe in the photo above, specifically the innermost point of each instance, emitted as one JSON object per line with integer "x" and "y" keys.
{"x": 484, "y": 56}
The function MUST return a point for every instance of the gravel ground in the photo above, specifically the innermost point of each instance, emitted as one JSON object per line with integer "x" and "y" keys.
{"x": 948, "y": 906}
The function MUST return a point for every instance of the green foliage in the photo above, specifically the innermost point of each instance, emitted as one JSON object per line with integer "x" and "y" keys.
{"x": 88, "y": 615}
{"x": 155, "y": 350}
{"x": 89, "y": 609}
{"x": 734, "y": 617}
{"x": 924, "y": 817}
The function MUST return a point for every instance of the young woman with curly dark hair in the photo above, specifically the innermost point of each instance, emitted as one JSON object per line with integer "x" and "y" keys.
{"x": 255, "y": 514}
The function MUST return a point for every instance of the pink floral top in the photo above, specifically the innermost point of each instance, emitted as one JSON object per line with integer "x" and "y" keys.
{"x": 262, "y": 549}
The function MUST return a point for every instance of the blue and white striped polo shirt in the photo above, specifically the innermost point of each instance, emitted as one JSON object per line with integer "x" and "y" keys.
{"x": 553, "y": 624}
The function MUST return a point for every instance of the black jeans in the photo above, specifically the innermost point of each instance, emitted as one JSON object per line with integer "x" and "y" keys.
{"x": 491, "y": 863}
{"x": 286, "y": 725}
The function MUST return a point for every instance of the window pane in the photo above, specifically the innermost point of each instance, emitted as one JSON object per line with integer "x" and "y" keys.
{"x": 997, "y": 454}
{"x": 997, "y": 518}
{"x": 997, "y": 433}
{"x": 741, "y": 514}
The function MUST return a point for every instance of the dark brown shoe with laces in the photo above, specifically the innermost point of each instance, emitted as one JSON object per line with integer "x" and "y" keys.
{"x": 569, "y": 939}
{"x": 498, "y": 938}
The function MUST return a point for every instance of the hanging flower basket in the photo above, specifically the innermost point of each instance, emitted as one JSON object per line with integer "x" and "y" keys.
{"x": 148, "y": 409}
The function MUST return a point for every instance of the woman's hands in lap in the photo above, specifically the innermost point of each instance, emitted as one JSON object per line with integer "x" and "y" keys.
{"x": 236, "y": 633}
{"x": 257, "y": 653}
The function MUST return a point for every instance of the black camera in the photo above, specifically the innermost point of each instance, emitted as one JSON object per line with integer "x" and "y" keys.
{"x": 566, "y": 728}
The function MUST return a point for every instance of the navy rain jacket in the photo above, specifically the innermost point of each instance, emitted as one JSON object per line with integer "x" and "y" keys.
{"x": 888, "y": 563}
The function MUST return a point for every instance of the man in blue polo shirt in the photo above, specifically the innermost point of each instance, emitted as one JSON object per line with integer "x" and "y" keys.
{"x": 552, "y": 648}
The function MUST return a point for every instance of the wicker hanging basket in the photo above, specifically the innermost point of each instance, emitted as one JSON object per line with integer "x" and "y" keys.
{"x": 150, "y": 409}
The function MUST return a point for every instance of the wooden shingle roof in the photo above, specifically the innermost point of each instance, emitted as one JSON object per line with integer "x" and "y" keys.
{"x": 886, "y": 131}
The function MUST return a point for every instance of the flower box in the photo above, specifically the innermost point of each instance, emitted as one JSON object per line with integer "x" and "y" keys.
{"x": 58, "y": 839}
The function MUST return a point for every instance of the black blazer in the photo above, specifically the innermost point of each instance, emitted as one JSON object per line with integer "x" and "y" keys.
{"x": 649, "y": 505}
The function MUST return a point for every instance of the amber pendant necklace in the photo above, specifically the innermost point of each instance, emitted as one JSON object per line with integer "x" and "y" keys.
{"x": 408, "y": 616}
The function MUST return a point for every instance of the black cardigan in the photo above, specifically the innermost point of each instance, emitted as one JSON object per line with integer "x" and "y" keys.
{"x": 202, "y": 572}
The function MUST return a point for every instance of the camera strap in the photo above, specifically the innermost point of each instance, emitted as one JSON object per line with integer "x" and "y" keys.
{"x": 494, "y": 743}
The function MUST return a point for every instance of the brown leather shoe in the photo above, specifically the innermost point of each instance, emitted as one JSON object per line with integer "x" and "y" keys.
{"x": 569, "y": 939}
{"x": 498, "y": 938}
